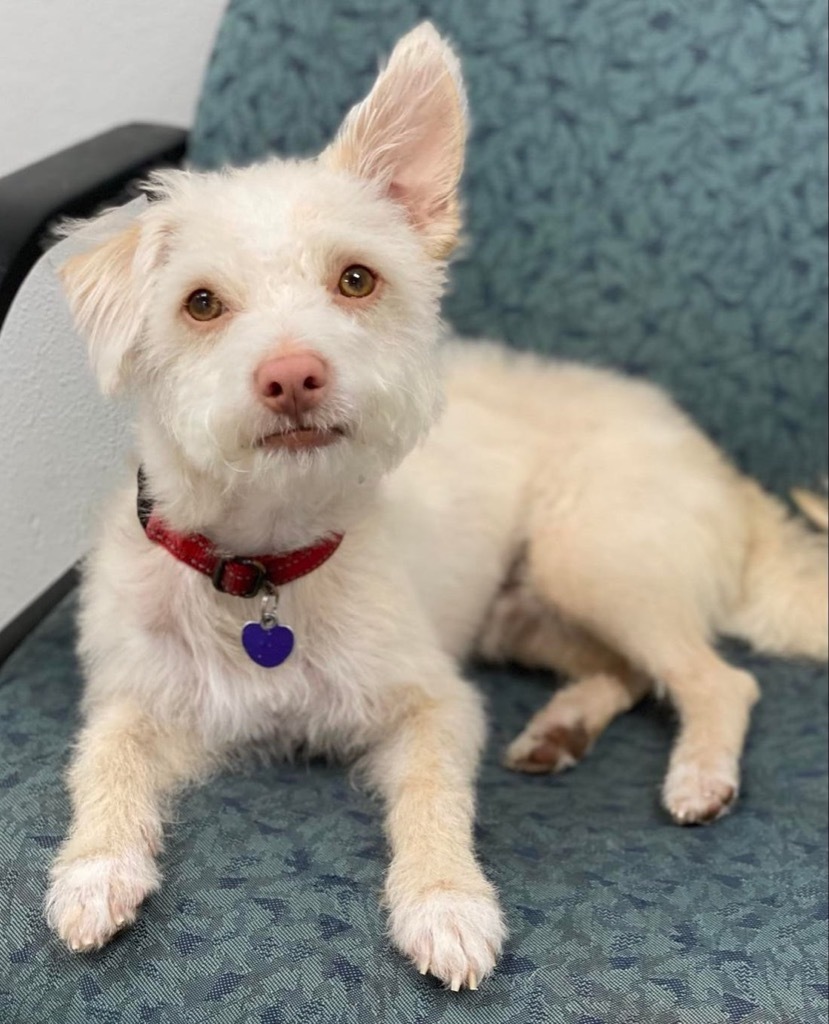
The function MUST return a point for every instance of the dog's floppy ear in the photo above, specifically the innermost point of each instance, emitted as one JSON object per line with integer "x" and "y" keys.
{"x": 409, "y": 134}
{"x": 106, "y": 286}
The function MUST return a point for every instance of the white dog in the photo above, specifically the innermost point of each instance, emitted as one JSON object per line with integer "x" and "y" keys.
{"x": 279, "y": 326}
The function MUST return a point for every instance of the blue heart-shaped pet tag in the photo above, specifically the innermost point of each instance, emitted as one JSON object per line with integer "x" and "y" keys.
{"x": 268, "y": 645}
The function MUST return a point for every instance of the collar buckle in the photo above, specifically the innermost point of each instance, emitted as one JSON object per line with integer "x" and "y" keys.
{"x": 256, "y": 584}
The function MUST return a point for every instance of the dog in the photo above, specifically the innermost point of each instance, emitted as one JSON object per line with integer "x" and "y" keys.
{"x": 296, "y": 569}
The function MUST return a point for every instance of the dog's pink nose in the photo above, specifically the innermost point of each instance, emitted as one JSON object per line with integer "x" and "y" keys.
{"x": 292, "y": 384}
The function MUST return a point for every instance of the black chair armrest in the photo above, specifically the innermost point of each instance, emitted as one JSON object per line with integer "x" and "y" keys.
{"x": 74, "y": 183}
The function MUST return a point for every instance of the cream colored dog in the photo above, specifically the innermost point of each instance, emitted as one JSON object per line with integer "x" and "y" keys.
{"x": 279, "y": 326}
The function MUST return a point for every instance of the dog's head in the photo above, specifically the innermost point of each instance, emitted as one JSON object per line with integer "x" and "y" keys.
{"x": 280, "y": 322}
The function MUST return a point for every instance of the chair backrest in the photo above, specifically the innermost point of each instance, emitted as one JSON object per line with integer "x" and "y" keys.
{"x": 646, "y": 183}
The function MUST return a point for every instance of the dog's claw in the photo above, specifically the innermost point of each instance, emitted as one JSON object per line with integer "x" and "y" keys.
{"x": 472, "y": 983}
{"x": 455, "y": 985}
{"x": 423, "y": 967}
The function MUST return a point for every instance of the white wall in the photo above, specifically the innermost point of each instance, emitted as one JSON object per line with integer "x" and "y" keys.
{"x": 72, "y": 68}
{"x": 69, "y": 69}
{"x": 61, "y": 446}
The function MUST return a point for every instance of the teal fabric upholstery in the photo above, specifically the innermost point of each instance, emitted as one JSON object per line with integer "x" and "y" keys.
{"x": 269, "y": 910}
{"x": 646, "y": 183}
{"x": 646, "y": 188}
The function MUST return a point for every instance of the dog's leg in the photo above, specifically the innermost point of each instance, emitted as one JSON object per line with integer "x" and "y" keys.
{"x": 714, "y": 701}
{"x": 521, "y": 627}
{"x": 565, "y": 729}
{"x": 643, "y": 609}
{"x": 123, "y": 768}
{"x": 443, "y": 913}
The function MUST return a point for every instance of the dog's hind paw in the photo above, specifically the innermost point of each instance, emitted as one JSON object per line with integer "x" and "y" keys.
{"x": 553, "y": 748}
{"x": 694, "y": 794}
{"x": 453, "y": 934}
{"x": 92, "y": 898}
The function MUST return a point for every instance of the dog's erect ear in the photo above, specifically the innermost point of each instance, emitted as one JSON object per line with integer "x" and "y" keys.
{"x": 408, "y": 135}
{"x": 106, "y": 286}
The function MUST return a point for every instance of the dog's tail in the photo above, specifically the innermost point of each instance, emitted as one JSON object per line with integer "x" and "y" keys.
{"x": 784, "y": 603}
{"x": 814, "y": 506}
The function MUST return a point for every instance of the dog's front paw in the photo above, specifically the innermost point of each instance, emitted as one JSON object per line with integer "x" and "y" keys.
{"x": 92, "y": 898}
{"x": 450, "y": 930}
{"x": 695, "y": 793}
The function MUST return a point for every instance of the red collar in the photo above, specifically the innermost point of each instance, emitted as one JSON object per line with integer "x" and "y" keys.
{"x": 239, "y": 576}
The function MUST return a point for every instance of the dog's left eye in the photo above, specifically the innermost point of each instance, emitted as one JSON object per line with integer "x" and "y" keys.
{"x": 203, "y": 304}
{"x": 357, "y": 282}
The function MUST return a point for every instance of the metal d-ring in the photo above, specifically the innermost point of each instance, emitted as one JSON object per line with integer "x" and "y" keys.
{"x": 267, "y": 614}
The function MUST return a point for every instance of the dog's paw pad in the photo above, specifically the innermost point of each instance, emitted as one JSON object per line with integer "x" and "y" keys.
{"x": 552, "y": 749}
{"x": 92, "y": 898}
{"x": 451, "y": 934}
{"x": 695, "y": 795}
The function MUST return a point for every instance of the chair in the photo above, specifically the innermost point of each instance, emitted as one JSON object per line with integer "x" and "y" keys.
{"x": 646, "y": 188}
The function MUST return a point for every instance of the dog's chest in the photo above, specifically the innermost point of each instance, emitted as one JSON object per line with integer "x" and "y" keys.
{"x": 320, "y": 695}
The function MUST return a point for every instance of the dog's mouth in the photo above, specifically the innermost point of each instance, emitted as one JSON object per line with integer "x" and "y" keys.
{"x": 302, "y": 438}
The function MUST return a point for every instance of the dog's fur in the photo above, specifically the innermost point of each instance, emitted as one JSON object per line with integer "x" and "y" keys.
{"x": 560, "y": 516}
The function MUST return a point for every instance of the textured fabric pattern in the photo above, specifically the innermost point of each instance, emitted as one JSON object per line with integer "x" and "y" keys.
{"x": 269, "y": 914}
{"x": 646, "y": 183}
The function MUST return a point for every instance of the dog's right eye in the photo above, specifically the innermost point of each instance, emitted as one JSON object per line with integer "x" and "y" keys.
{"x": 203, "y": 304}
